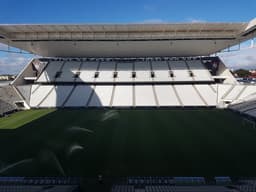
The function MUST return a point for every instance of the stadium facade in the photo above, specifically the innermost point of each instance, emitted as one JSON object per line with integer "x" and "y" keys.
{"x": 128, "y": 65}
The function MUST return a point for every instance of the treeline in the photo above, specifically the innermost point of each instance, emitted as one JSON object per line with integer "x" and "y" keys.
{"x": 242, "y": 73}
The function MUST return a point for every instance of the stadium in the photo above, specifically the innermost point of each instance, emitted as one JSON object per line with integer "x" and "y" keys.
{"x": 150, "y": 106}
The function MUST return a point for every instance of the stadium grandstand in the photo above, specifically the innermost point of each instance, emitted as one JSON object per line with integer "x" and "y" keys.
{"x": 117, "y": 65}
{"x": 8, "y": 98}
{"x": 104, "y": 85}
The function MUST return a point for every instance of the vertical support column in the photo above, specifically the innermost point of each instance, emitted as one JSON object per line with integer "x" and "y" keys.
{"x": 189, "y": 70}
{"x": 199, "y": 94}
{"x": 90, "y": 97}
{"x": 79, "y": 70}
{"x": 69, "y": 95}
{"x": 112, "y": 96}
{"x": 115, "y": 71}
{"x": 177, "y": 95}
{"x": 170, "y": 70}
{"x": 133, "y": 96}
{"x": 155, "y": 96}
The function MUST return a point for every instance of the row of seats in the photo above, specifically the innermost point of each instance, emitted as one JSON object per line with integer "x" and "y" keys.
{"x": 141, "y": 95}
{"x": 189, "y": 180}
{"x": 102, "y": 72}
{"x": 6, "y": 108}
{"x": 246, "y": 188}
{"x": 235, "y": 93}
{"x": 223, "y": 180}
{"x": 130, "y": 59}
{"x": 122, "y": 95}
{"x": 39, "y": 181}
{"x": 8, "y": 97}
{"x": 122, "y": 188}
{"x": 243, "y": 98}
{"x": 168, "y": 188}
{"x": 247, "y": 107}
{"x": 247, "y": 185}
{"x": 162, "y": 188}
{"x": 150, "y": 180}
{"x": 35, "y": 188}
{"x": 165, "y": 180}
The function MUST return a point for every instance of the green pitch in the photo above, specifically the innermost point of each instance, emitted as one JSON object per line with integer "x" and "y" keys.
{"x": 127, "y": 142}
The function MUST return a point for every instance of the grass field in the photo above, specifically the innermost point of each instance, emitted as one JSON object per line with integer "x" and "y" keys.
{"x": 127, "y": 142}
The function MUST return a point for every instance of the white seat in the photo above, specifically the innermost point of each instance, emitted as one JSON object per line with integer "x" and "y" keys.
{"x": 87, "y": 72}
{"x": 180, "y": 71}
{"x": 188, "y": 95}
{"x": 48, "y": 75}
{"x": 106, "y": 71}
{"x": 101, "y": 96}
{"x": 123, "y": 96}
{"x": 39, "y": 93}
{"x": 124, "y": 72}
{"x": 80, "y": 96}
{"x": 57, "y": 96}
{"x": 199, "y": 71}
{"x": 161, "y": 70}
{"x": 68, "y": 71}
{"x": 144, "y": 95}
{"x": 143, "y": 72}
{"x": 208, "y": 94}
{"x": 166, "y": 95}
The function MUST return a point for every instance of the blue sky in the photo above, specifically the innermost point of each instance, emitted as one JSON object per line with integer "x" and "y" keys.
{"x": 128, "y": 11}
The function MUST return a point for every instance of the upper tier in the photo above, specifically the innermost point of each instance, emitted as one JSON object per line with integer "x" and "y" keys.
{"x": 127, "y": 40}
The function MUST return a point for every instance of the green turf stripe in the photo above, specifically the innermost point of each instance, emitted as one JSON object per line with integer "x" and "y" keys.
{"x": 21, "y": 118}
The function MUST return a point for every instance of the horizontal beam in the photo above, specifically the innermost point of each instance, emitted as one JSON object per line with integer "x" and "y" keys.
{"x": 116, "y": 40}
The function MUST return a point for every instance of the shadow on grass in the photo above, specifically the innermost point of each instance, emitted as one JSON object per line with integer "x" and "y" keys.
{"x": 83, "y": 142}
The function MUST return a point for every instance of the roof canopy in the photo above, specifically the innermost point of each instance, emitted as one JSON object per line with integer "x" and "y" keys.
{"x": 126, "y": 40}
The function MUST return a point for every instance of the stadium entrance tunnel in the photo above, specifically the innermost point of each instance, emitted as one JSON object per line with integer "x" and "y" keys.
{"x": 114, "y": 143}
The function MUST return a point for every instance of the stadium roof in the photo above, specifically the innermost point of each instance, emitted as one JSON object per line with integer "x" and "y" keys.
{"x": 126, "y": 40}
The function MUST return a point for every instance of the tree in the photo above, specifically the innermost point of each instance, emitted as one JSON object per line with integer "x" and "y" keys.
{"x": 242, "y": 73}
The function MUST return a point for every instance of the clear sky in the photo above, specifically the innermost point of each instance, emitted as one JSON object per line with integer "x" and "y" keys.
{"x": 125, "y": 11}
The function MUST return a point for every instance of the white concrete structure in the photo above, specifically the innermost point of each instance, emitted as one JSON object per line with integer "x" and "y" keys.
{"x": 124, "y": 72}
{"x": 223, "y": 90}
{"x": 126, "y": 40}
{"x": 123, "y": 96}
{"x": 247, "y": 92}
{"x": 49, "y": 73}
{"x": 56, "y": 97}
{"x": 166, "y": 96}
{"x": 101, "y": 96}
{"x": 87, "y": 72}
{"x": 201, "y": 95}
{"x": 162, "y": 71}
{"x": 106, "y": 72}
{"x": 208, "y": 94}
{"x": 142, "y": 70}
{"x": 180, "y": 71}
{"x": 80, "y": 96}
{"x": 68, "y": 71}
{"x": 39, "y": 93}
{"x": 199, "y": 71}
{"x": 131, "y": 65}
{"x": 188, "y": 95}
{"x": 234, "y": 93}
{"x": 144, "y": 96}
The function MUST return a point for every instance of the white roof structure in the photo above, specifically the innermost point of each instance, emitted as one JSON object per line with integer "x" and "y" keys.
{"x": 126, "y": 40}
